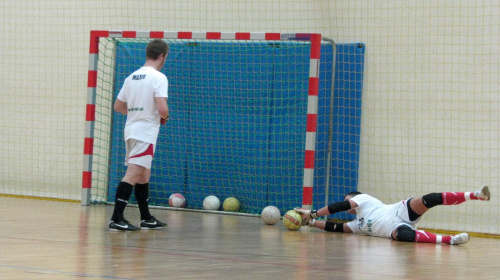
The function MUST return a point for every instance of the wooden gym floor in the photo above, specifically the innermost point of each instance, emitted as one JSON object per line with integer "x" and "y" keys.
{"x": 61, "y": 240}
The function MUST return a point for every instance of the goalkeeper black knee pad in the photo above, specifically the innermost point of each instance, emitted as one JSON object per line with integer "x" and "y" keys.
{"x": 432, "y": 199}
{"x": 405, "y": 233}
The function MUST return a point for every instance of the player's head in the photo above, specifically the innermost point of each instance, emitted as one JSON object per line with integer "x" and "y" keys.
{"x": 351, "y": 195}
{"x": 155, "y": 49}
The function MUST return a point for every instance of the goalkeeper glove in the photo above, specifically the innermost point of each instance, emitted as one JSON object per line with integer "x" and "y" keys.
{"x": 307, "y": 215}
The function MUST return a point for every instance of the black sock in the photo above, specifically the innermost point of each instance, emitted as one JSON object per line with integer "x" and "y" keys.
{"x": 123, "y": 192}
{"x": 142, "y": 196}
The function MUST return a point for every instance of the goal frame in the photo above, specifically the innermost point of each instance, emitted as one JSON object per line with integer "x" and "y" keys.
{"x": 312, "y": 100}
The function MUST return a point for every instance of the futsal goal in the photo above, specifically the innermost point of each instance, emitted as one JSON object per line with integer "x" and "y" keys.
{"x": 251, "y": 118}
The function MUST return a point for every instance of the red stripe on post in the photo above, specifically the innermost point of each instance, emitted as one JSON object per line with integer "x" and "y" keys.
{"x": 315, "y": 46}
{"x": 273, "y": 36}
{"x": 313, "y": 86}
{"x": 90, "y": 113}
{"x": 309, "y": 159}
{"x": 92, "y": 79}
{"x": 307, "y": 195}
{"x": 242, "y": 36}
{"x": 156, "y": 34}
{"x": 129, "y": 34}
{"x": 185, "y": 35}
{"x": 88, "y": 146}
{"x": 94, "y": 39}
{"x": 86, "y": 180}
{"x": 312, "y": 121}
{"x": 213, "y": 35}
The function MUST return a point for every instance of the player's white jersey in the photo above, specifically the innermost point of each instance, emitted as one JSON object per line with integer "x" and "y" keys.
{"x": 139, "y": 91}
{"x": 376, "y": 218}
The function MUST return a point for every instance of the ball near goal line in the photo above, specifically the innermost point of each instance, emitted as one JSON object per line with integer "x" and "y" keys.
{"x": 211, "y": 202}
{"x": 270, "y": 215}
{"x": 177, "y": 200}
{"x": 231, "y": 204}
{"x": 292, "y": 220}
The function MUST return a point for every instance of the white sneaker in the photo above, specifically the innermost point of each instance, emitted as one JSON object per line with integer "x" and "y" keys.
{"x": 483, "y": 193}
{"x": 461, "y": 238}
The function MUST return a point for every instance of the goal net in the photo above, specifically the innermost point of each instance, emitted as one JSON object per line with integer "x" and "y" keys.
{"x": 251, "y": 118}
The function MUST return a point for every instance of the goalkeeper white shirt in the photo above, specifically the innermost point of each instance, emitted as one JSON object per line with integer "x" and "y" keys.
{"x": 376, "y": 218}
{"x": 139, "y": 91}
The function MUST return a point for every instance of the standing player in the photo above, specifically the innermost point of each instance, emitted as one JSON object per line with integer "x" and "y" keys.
{"x": 397, "y": 221}
{"x": 143, "y": 98}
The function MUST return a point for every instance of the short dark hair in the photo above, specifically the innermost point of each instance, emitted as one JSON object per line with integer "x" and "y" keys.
{"x": 352, "y": 194}
{"x": 155, "y": 48}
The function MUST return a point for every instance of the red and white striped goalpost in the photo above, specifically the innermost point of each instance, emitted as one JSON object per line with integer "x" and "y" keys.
{"x": 312, "y": 100}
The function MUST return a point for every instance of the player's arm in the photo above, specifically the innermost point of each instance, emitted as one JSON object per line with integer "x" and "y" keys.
{"x": 328, "y": 210}
{"x": 333, "y": 208}
{"x": 163, "y": 111}
{"x": 120, "y": 106}
{"x": 309, "y": 216}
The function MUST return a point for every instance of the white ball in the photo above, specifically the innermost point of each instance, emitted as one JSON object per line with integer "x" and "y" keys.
{"x": 270, "y": 215}
{"x": 211, "y": 202}
{"x": 177, "y": 200}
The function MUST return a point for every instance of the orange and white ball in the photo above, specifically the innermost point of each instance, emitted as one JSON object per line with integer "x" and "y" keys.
{"x": 177, "y": 200}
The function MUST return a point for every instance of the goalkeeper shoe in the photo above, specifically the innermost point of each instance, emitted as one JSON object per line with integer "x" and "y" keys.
{"x": 483, "y": 193}
{"x": 152, "y": 223}
{"x": 122, "y": 225}
{"x": 461, "y": 238}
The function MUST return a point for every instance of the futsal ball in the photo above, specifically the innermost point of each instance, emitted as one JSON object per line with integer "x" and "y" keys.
{"x": 231, "y": 204}
{"x": 211, "y": 202}
{"x": 270, "y": 215}
{"x": 292, "y": 220}
{"x": 177, "y": 200}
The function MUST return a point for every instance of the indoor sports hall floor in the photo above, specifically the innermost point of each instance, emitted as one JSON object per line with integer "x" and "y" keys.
{"x": 60, "y": 240}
